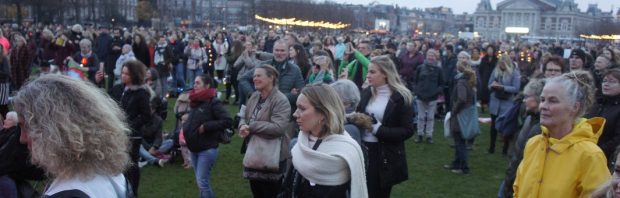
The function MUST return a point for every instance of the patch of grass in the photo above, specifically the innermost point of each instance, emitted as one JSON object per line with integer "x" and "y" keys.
{"x": 427, "y": 177}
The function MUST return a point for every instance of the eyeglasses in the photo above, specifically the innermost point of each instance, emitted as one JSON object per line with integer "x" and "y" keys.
{"x": 605, "y": 82}
{"x": 553, "y": 70}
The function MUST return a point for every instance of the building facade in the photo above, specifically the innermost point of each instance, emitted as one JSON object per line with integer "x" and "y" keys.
{"x": 543, "y": 18}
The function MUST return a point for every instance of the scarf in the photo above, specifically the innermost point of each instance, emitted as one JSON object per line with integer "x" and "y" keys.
{"x": 337, "y": 160}
{"x": 198, "y": 97}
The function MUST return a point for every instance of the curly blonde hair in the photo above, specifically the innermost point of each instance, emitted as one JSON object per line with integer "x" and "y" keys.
{"x": 76, "y": 130}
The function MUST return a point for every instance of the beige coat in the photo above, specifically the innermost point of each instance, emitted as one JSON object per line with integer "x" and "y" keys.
{"x": 272, "y": 121}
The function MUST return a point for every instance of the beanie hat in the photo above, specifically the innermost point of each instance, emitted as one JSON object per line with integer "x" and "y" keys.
{"x": 580, "y": 54}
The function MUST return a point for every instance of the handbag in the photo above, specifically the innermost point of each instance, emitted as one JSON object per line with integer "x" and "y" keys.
{"x": 508, "y": 122}
{"x": 502, "y": 95}
{"x": 468, "y": 122}
{"x": 263, "y": 154}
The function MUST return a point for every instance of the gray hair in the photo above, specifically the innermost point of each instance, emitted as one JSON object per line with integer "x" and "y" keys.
{"x": 464, "y": 53}
{"x": 534, "y": 88}
{"x": 12, "y": 116}
{"x": 76, "y": 130}
{"x": 86, "y": 42}
{"x": 579, "y": 88}
{"x": 128, "y": 47}
{"x": 348, "y": 92}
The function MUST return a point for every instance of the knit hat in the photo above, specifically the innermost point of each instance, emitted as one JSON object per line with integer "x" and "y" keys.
{"x": 579, "y": 53}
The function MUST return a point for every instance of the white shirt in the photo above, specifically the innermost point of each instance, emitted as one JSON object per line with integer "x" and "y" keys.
{"x": 376, "y": 107}
{"x": 99, "y": 186}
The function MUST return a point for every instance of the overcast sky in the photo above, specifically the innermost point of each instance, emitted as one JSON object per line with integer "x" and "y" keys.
{"x": 469, "y": 6}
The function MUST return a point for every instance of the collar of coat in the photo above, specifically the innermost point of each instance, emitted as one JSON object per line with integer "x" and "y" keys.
{"x": 583, "y": 130}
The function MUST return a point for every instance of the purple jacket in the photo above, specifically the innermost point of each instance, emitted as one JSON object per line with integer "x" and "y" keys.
{"x": 408, "y": 65}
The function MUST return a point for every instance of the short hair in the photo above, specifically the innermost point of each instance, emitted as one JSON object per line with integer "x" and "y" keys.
{"x": 534, "y": 88}
{"x": 128, "y": 46}
{"x": 579, "y": 88}
{"x": 281, "y": 41}
{"x": 555, "y": 60}
{"x": 326, "y": 102}
{"x": 12, "y": 115}
{"x": 78, "y": 132}
{"x": 86, "y": 42}
{"x": 137, "y": 71}
{"x": 615, "y": 73}
{"x": 271, "y": 72}
{"x": 464, "y": 53}
{"x": 348, "y": 91}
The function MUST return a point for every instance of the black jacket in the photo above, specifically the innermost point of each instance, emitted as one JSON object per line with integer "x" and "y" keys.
{"x": 608, "y": 108}
{"x": 429, "y": 82}
{"x": 135, "y": 103}
{"x": 396, "y": 127}
{"x": 152, "y": 133}
{"x": 215, "y": 119}
{"x": 5, "y": 71}
{"x": 15, "y": 157}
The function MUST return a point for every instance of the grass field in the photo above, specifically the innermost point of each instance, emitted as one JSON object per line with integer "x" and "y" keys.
{"x": 427, "y": 177}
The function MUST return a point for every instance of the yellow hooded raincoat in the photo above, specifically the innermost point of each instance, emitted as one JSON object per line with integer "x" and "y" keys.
{"x": 574, "y": 166}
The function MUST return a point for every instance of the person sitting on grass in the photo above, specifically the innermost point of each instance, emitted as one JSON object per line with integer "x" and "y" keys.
{"x": 153, "y": 146}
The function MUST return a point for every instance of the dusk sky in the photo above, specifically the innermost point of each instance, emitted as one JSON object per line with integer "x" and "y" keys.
{"x": 469, "y": 6}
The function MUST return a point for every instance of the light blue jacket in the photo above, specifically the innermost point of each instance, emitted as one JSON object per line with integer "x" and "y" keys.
{"x": 511, "y": 85}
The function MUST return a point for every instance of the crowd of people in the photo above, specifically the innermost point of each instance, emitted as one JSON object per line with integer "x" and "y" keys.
{"x": 321, "y": 114}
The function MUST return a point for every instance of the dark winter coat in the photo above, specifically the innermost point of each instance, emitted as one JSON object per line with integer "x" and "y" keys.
{"x": 486, "y": 67}
{"x": 214, "y": 118}
{"x": 608, "y": 108}
{"x": 92, "y": 65}
{"x": 15, "y": 157}
{"x": 135, "y": 103}
{"x": 429, "y": 82}
{"x": 396, "y": 127}
{"x": 152, "y": 132}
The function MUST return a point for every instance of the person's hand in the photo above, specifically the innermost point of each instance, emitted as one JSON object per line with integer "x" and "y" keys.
{"x": 99, "y": 76}
{"x": 201, "y": 129}
{"x": 244, "y": 131}
{"x": 153, "y": 151}
{"x": 344, "y": 74}
{"x": 294, "y": 91}
{"x": 322, "y": 62}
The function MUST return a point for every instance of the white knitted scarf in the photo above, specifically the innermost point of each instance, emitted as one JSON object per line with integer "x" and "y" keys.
{"x": 337, "y": 160}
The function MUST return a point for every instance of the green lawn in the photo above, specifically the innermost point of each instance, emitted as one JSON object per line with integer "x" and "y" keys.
{"x": 427, "y": 177}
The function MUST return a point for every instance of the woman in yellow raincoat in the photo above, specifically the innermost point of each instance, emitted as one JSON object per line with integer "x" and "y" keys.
{"x": 564, "y": 161}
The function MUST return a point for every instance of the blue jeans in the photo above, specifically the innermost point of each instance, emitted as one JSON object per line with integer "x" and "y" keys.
{"x": 165, "y": 146}
{"x": 203, "y": 162}
{"x": 192, "y": 75}
{"x": 179, "y": 78}
{"x": 7, "y": 187}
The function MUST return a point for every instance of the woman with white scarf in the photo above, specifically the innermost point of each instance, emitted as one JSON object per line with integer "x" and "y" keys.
{"x": 327, "y": 162}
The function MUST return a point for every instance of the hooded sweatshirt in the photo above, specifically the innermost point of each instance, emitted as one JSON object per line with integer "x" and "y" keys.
{"x": 573, "y": 166}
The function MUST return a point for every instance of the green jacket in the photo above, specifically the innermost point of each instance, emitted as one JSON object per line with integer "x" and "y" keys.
{"x": 352, "y": 66}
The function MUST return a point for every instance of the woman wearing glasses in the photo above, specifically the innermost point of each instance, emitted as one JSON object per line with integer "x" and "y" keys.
{"x": 608, "y": 107}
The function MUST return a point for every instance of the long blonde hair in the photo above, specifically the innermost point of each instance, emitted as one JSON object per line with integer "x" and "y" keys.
{"x": 388, "y": 68}
{"x": 507, "y": 61}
